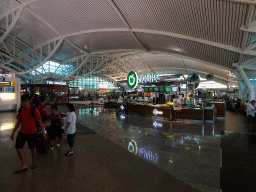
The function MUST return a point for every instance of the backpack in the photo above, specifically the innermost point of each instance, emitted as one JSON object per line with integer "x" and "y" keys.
{"x": 32, "y": 112}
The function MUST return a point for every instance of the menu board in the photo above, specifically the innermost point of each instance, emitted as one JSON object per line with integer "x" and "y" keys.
{"x": 145, "y": 89}
{"x": 156, "y": 89}
{"x": 168, "y": 89}
{"x": 162, "y": 89}
{"x": 151, "y": 89}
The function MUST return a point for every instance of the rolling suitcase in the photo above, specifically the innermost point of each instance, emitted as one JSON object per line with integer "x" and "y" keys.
{"x": 42, "y": 145}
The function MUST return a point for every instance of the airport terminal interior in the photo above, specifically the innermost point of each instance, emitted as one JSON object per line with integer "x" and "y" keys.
{"x": 163, "y": 92}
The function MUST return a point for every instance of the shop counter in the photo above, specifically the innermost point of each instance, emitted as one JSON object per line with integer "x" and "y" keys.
{"x": 205, "y": 114}
{"x": 220, "y": 106}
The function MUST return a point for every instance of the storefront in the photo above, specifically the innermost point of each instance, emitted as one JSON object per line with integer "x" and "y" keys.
{"x": 56, "y": 93}
{"x": 158, "y": 100}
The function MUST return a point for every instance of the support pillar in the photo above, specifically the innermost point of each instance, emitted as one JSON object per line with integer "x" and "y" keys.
{"x": 238, "y": 77}
{"x": 246, "y": 81}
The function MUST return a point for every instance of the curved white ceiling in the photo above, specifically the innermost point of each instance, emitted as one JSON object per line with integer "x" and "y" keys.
{"x": 201, "y": 36}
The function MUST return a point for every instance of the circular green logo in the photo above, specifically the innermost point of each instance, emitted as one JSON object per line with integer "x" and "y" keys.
{"x": 132, "y": 80}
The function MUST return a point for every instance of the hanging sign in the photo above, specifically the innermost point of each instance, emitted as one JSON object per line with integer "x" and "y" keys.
{"x": 132, "y": 80}
{"x": 149, "y": 78}
{"x": 55, "y": 83}
{"x": 6, "y": 83}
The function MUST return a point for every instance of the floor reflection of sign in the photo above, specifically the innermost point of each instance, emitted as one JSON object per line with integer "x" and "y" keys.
{"x": 156, "y": 124}
{"x": 177, "y": 104}
{"x": 132, "y": 146}
{"x": 148, "y": 155}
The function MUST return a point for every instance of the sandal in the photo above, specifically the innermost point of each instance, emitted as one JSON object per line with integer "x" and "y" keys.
{"x": 20, "y": 170}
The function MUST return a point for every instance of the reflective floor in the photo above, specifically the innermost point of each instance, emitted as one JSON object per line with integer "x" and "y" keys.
{"x": 190, "y": 151}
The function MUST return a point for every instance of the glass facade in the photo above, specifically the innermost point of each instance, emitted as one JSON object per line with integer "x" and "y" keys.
{"x": 253, "y": 82}
{"x": 53, "y": 67}
{"x": 94, "y": 82}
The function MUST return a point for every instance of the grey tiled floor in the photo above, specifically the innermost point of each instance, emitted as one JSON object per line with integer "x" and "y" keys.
{"x": 189, "y": 151}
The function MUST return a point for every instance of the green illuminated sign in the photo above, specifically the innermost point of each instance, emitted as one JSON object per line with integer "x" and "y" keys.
{"x": 156, "y": 112}
{"x": 161, "y": 89}
{"x": 151, "y": 89}
{"x": 168, "y": 89}
{"x": 145, "y": 89}
{"x": 132, "y": 80}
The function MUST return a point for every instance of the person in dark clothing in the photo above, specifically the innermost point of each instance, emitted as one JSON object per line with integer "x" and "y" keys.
{"x": 54, "y": 130}
{"x": 125, "y": 104}
{"x": 36, "y": 101}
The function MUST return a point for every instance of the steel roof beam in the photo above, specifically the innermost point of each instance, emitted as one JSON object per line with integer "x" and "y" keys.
{"x": 155, "y": 32}
{"x": 50, "y": 53}
{"x": 79, "y": 67}
{"x": 120, "y": 15}
{"x": 9, "y": 26}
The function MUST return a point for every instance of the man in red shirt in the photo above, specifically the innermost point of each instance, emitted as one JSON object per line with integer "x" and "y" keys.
{"x": 27, "y": 132}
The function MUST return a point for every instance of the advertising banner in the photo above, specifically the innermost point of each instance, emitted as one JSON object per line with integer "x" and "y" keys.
{"x": 177, "y": 104}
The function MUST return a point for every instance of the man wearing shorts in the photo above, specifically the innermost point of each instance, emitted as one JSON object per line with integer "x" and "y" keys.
{"x": 27, "y": 132}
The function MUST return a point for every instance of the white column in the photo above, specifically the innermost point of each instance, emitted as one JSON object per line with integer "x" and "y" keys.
{"x": 246, "y": 81}
{"x": 238, "y": 77}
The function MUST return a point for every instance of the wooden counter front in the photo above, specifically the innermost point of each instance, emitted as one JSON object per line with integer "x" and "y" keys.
{"x": 192, "y": 114}
{"x": 208, "y": 114}
{"x": 221, "y": 108}
{"x": 142, "y": 109}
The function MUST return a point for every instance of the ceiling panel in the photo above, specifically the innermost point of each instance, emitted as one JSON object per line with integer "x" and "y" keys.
{"x": 32, "y": 31}
{"x": 189, "y": 48}
{"x": 7, "y": 5}
{"x": 213, "y": 20}
{"x": 69, "y": 16}
{"x": 66, "y": 51}
{"x": 105, "y": 41}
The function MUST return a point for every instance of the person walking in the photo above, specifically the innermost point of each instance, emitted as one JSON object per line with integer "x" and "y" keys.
{"x": 70, "y": 127}
{"x": 42, "y": 108}
{"x": 251, "y": 114}
{"x": 54, "y": 130}
{"x": 28, "y": 131}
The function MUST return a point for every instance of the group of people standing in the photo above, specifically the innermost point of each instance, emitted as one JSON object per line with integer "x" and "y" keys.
{"x": 32, "y": 118}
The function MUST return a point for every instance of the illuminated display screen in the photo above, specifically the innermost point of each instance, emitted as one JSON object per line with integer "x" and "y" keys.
{"x": 168, "y": 89}
{"x": 156, "y": 89}
{"x": 175, "y": 89}
{"x": 161, "y": 89}
{"x": 145, "y": 89}
{"x": 9, "y": 89}
{"x": 151, "y": 89}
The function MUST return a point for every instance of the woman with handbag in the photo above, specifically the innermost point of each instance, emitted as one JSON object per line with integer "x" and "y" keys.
{"x": 54, "y": 130}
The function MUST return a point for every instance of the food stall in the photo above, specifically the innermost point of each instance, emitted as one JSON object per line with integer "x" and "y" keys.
{"x": 53, "y": 92}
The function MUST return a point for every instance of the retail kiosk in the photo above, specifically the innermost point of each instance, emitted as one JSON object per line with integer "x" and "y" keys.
{"x": 9, "y": 92}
